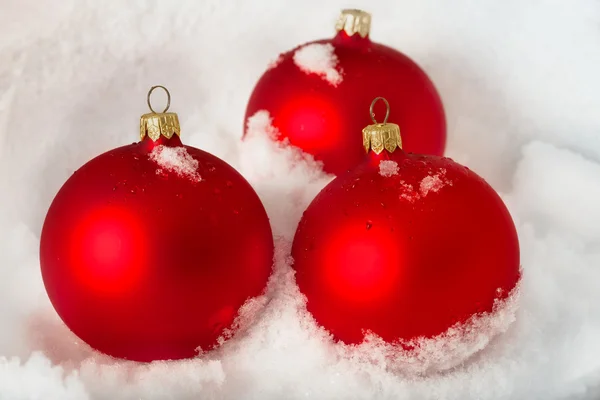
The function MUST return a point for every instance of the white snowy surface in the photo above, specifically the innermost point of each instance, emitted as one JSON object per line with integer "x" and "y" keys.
{"x": 522, "y": 95}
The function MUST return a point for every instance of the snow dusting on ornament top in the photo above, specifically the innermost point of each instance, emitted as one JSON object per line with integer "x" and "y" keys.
{"x": 434, "y": 183}
{"x": 319, "y": 59}
{"x": 177, "y": 160}
{"x": 429, "y": 184}
{"x": 388, "y": 168}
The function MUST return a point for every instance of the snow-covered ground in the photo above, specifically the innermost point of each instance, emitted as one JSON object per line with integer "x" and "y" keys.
{"x": 522, "y": 94}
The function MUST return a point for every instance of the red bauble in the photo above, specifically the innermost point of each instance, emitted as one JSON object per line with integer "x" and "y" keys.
{"x": 148, "y": 250}
{"x": 405, "y": 246}
{"x": 316, "y": 114}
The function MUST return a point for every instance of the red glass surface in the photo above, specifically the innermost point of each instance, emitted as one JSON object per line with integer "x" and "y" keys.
{"x": 317, "y": 117}
{"x": 368, "y": 258}
{"x": 147, "y": 266}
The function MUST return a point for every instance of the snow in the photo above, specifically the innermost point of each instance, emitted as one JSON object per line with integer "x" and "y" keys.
{"x": 278, "y": 171}
{"x": 408, "y": 192}
{"x": 275, "y": 62}
{"x": 519, "y": 83}
{"x": 423, "y": 356}
{"x": 569, "y": 183}
{"x": 176, "y": 160}
{"x": 388, "y": 168}
{"x": 433, "y": 183}
{"x": 319, "y": 59}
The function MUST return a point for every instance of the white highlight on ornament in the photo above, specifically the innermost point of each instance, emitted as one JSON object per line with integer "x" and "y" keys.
{"x": 434, "y": 183}
{"x": 388, "y": 168}
{"x": 319, "y": 59}
{"x": 177, "y": 160}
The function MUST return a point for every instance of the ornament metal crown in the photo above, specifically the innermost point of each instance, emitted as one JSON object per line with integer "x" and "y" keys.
{"x": 354, "y": 21}
{"x": 381, "y": 136}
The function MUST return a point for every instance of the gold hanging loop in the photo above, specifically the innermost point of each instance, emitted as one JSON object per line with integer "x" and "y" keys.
{"x": 380, "y": 136}
{"x": 160, "y": 124}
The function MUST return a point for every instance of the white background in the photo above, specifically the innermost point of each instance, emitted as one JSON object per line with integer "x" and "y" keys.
{"x": 520, "y": 84}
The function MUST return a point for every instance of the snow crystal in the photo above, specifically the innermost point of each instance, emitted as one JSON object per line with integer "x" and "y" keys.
{"x": 177, "y": 160}
{"x": 522, "y": 110}
{"x": 388, "y": 168}
{"x": 433, "y": 183}
{"x": 407, "y": 192}
{"x": 319, "y": 59}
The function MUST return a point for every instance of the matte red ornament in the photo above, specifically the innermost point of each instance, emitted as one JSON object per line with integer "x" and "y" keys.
{"x": 316, "y": 111}
{"x": 148, "y": 250}
{"x": 404, "y": 245}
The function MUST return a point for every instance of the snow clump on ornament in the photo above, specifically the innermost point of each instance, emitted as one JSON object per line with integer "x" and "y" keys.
{"x": 319, "y": 59}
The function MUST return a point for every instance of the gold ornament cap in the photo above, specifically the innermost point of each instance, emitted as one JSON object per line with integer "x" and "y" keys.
{"x": 354, "y": 21}
{"x": 160, "y": 124}
{"x": 381, "y": 136}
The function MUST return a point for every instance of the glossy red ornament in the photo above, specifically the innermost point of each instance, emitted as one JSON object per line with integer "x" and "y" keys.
{"x": 405, "y": 246}
{"x": 317, "y": 116}
{"x": 145, "y": 261}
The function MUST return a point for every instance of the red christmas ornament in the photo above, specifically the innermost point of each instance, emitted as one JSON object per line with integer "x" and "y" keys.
{"x": 148, "y": 250}
{"x": 316, "y": 94}
{"x": 404, "y": 245}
